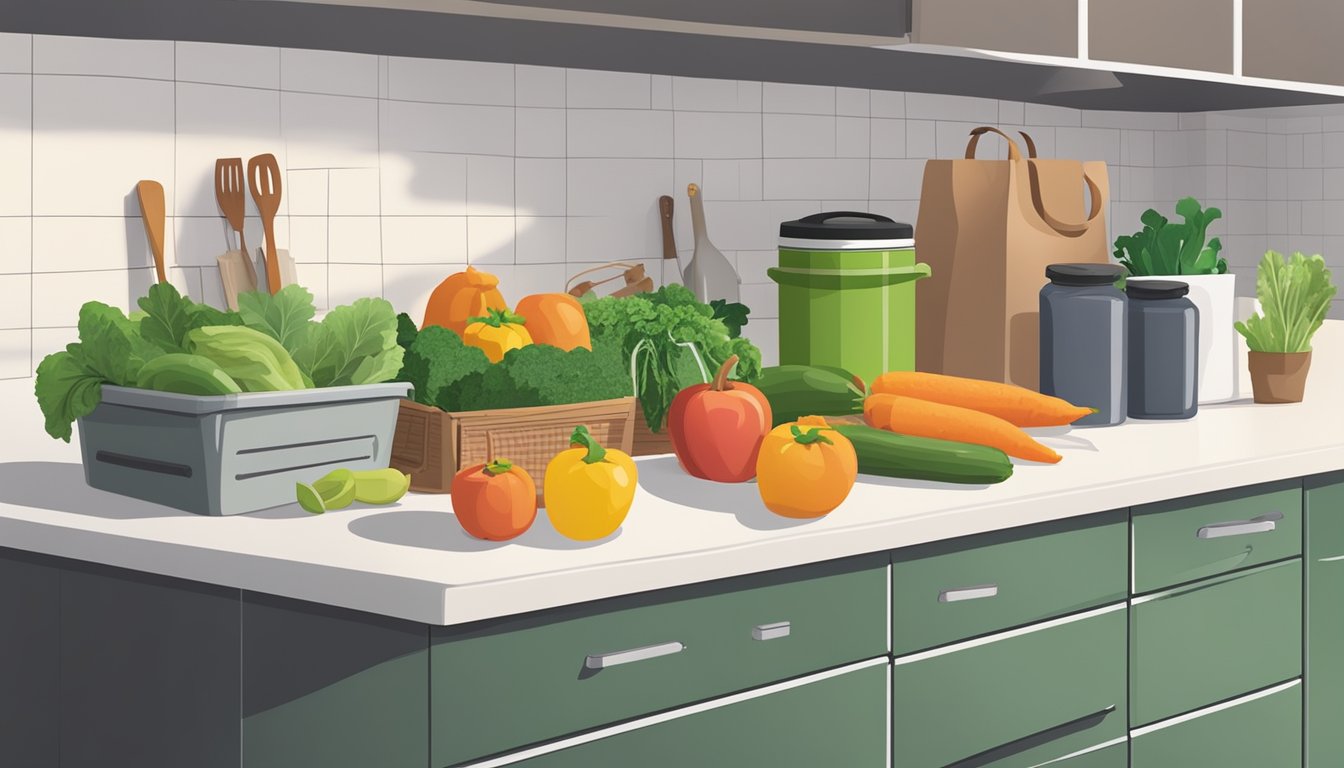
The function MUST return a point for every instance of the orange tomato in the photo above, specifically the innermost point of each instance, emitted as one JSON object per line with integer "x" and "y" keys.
{"x": 495, "y": 501}
{"x": 462, "y": 296}
{"x": 805, "y": 469}
{"x": 556, "y": 319}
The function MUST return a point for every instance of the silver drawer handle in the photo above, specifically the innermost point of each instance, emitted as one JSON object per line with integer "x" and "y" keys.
{"x": 1263, "y": 524}
{"x": 615, "y": 658}
{"x": 968, "y": 593}
{"x": 770, "y": 631}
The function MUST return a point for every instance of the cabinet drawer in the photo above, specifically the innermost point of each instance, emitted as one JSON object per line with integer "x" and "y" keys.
{"x": 509, "y": 683}
{"x": 1212, "y": 641}
{"x": 1018, "y": 698}
{"x": 1263, "y": 730}
{"x": 1193, "y": 538}
{"x": 838, "y": 721}
{"x": 1115, "y": 755}
{"x": 949, "y": 591}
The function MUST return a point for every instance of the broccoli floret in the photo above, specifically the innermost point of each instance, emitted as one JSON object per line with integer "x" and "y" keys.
{"x": 540, "y": 374}
{"x": 436, "y": 363}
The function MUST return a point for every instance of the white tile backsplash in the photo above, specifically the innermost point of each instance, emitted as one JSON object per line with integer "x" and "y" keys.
{"x": 105, "y": 57}
{"x": 619, "y": 133}
{"x": 717, "y": 134}
{"x": 798, "y": 99}
{"x": 16, "y": 52}
{"x": 400, "y": 171}
{"x": 80, "y": 177}
{"x": 332, "y": 72}
{"x": 450, "y": 82}
{"x": 587, "y": 88}
{"x": 788, "y": 135}
{"x": 249, "y": 66}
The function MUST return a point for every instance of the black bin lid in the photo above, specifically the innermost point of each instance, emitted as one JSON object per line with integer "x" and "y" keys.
{"x": 1156, "y": 289}
{"x": 846, "y": 225}
{"x": 1084, "y": 274}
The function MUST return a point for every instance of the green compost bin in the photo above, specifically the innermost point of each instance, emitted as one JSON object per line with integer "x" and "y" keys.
{"x": 847, "y": 293}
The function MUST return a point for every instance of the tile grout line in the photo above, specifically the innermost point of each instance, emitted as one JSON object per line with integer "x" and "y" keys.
{"x": 32, "y": 175}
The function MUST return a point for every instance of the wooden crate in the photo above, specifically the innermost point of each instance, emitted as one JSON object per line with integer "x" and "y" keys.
{"x": 431, "y": 445}
{"x": 646, "y": 441}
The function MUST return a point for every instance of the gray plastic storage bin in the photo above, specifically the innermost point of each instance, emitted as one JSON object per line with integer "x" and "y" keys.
{"x": 232, "y": 454}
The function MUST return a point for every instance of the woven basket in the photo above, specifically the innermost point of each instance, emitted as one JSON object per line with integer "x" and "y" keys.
{"x": 646, "y": 441}
{"x": 432, "y": 445}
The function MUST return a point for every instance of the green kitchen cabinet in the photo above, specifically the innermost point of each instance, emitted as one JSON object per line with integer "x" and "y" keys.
{"x": 1202, "y": 643}
{"x": 324, "y": 686}
{"x": 30, "y": 600}
{"x": 1188, "y": 539}
{"x": 1113, "y": 756}
{"x": 1263, "y": 730}
{"x": 1325, "y": 620}
{"x": 148, "y": 670}
{"x": 504, "y": 684}
{"x": 1017, "y": 699}
{"x": 836, "y": 721}
{"x": 953, "y": 590}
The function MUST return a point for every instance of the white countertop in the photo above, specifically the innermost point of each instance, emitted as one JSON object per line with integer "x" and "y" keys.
{"x": 412, "y": 560}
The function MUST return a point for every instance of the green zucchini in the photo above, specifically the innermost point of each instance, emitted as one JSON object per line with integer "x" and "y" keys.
{"x": 924, "y": 458}
{"x": 804, "y": 390}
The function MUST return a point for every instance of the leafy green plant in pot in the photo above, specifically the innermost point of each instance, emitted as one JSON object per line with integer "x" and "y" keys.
{"x": 1164, "y": 250}
{"x": 1294, "y": 296}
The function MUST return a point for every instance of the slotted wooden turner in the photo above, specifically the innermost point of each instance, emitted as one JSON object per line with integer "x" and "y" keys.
{"x": 236, "y": 269}
{"x": 263, "y": 177}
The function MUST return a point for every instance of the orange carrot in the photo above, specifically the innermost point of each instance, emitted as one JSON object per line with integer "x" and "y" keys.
{"x": 923, "y": 418}
{"x": 1016, "y": 405}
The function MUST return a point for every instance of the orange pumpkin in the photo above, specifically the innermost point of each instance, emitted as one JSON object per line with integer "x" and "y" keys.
{"x": 462, "y": 296}
{"x": 556, "y": 319}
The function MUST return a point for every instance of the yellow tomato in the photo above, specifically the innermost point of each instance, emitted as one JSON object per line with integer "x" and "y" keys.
{"x": 496, "y": 334}
{"x": 805, "y": 469}
{"x": 588, "y": 488}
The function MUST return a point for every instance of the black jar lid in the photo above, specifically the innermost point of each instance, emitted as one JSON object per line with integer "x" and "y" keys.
{"x": 1084, "y": 274}
{"x": 846, "y": 225}
{"x": 1156, "y": 289}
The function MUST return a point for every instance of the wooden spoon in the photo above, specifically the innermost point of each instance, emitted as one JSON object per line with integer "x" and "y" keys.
{"x": 152, "y": 210}
{"x": 263, "y": 178}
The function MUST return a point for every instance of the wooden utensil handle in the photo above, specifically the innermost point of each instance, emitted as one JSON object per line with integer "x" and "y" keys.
{"x": 669, "y": 241}
{"x": 272, "y": 263}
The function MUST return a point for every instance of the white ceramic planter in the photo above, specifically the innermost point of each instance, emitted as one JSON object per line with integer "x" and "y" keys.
{"x": 1215, "y": 298}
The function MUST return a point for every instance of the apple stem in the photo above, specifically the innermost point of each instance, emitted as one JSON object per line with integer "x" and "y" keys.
{"x": 720, "y": 382}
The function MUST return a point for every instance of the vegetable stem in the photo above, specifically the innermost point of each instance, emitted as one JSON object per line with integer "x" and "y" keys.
{"x": 811, "y": 436}
{"x": 498, "y": 467}
{"x": 497, "y": 318}
{"x": 582, "y": 438}
{"x": 720, "y": 382}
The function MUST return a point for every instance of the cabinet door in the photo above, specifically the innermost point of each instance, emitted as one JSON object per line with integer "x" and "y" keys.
{"x": 1017, "y": 699}
{"x": 1189, "y": 34}
{"x": 1214, "y": 640}
{"x": 838, "y": 721}
{"x": 1293, "y": 40}
{"x": 1325, "y": 620}
{"x": 1259, "y": 731}
{"x": 1113, "y": 756}
{"x": 30, "y": 599}
{"x": 1048, "y": 27}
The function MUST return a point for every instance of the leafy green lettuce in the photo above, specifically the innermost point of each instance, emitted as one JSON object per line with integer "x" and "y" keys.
{"x": 354, "y": 344}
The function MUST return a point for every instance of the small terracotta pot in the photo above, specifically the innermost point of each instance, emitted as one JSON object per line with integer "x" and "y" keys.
{"x": 1279, "y": 377}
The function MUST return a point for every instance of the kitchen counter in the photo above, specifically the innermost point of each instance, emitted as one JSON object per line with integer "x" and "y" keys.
{"x": 413, "y": 561}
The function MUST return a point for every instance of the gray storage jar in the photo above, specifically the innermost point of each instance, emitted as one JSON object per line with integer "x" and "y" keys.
{"x": 1164, "y": 350}
{"x": 1084, "y": 339}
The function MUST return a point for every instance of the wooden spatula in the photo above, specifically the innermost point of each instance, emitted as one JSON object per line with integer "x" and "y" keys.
{"x": 152, "y": 210}
{"x": 263, "y": 178}
{"x": 236, "y": 269}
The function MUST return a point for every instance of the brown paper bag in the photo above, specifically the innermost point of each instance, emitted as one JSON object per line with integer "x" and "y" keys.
{"x": 988, "y": 229}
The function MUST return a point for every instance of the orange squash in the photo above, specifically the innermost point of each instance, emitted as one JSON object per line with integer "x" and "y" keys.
{"x": 462, "y": 296}
{"x": 556, "y": 319}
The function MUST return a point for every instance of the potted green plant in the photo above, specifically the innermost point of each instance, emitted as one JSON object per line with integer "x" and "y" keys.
{"x": 1294, "y": 296}
{"x": 1163, "y": 250}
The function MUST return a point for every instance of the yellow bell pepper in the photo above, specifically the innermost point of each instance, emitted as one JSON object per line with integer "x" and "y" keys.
{"x": 588, "y": 488}
{"x": 497, "y": 333}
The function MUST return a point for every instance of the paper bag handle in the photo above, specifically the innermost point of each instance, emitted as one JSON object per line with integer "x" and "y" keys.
{"x": 1013, "y": 152}
{"x": 1059, "y": 226}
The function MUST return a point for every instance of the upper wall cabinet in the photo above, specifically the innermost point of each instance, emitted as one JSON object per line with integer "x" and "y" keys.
{"x": 1190, "y": 34}
{"x": 1045, "y": 27}
{"x": 889, "y": 18}
{"x": 1295, "y": 40}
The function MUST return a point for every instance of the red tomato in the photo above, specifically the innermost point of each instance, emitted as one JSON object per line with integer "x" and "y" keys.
{"x": 495, "y": 501}
{"x": 717, "y": 428}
